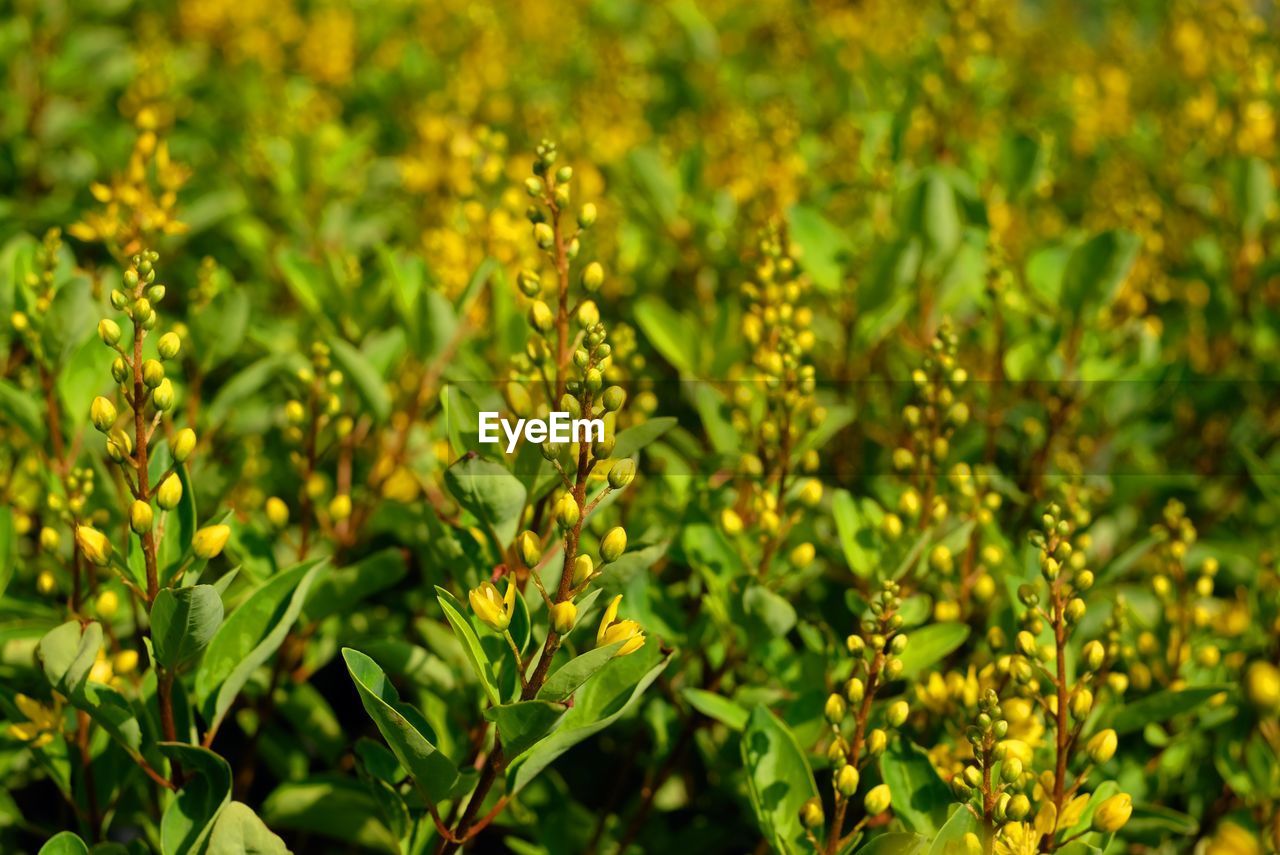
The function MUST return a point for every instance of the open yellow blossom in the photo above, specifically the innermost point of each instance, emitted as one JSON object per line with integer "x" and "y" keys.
{"x": 43, "y": 722}
{"x": 494, "y": 610}
{"x": 613, "y": 630}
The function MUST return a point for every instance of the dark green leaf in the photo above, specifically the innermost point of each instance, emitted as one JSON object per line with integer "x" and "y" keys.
{"x": 183, "y": 620}
{"x": 920, "y": 797}
{"x": 778, "y": 779}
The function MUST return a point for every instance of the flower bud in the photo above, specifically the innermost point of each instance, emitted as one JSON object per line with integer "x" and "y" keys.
{"x": 835, "y": 709}
{"x": 1027, "y": 645}
{"x": 162, "y": 395}
{"x": 855, "y": 690}
{"x": 119, "y": 370}
{"x": 49, "y": 539}
{"x": 119, "y": 445}
{"x": 1093, "y": 655}
{"x": 1112, "y": 814}
{"x": 563, "y": 617}
{"x": 169, "y": 493}
{"x": 106, "y": 604}
{"x": 583, "y": 567}
{"x": 103, "y": 413}
{"x": 613, "y": 545}
{"x": 1102, "y": 746}
{"x": 567, "y": 512}
{"x": 897, "y": 713}
{"x": 1011, "y": 770}
{"x": 184, "y": 442}
{"x": 1074, "y": 610}
{"x": 530, "y": 549}
{"x": 877, "y": 742}
{"x": 1262, "y": 685}
{"x": 169, "y": 345}
{"x": 731, "y": 522}
{"x": 847, "y": 778}
{"x": 1081, "y": 703}
{"x": 810, "y": 493}
{"x": 587, "y": 216}
{"x": 543, "y": 235}
{"x": 152, "y": 373}
{"x": 340, "y": 507}
{"x": 613, "y": 399}
{"x": 93, "y": 544}
{"x": 622, "y": 473}
{"x": 811, "y": 815}
{"x": 140, "y": 516}
{"x": 877, "y": 800}
{"x": 592, "y": 277}
{"x": 541, "y": 318}
{"x": 108, "y": 331}
{"x": 125, "y": 662}
{"x": 277, "y": 512}
{"x": 1019, "y": 807}
{"x": 208, "y": 541}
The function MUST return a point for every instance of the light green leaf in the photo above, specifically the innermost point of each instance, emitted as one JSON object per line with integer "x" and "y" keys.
{"x": 333, "y": 807}
{"x": 1162, "y": 706}
{"x": 239, "y": 831}
{"x": 67, "y": 653}
{"x": 433, "y": 772}
{"x": 64, "y": 843}
{"x": 371, "y": 388}
{"x": 919, "y": 796}
{"x": 717, "y": 707}
{"x": 249, "y": 637}
{"x": 490, "y": 493}
{"x": 896, "y": 843}
{"x": 1096, "y": 269}
{"x": 466, "y": 633}
{"x": 524, "y": 723}
{"x": 671, "y": 334}
{"x": 929, "y": 645}
{"x": 183, "y": 620}
{"x": 950, "y": 837}
{"x": 566, "y": 679}
{"x": 21, "y": 410}
{"x": 778, "y": 779}
{"x": 188, "y": 819}
{"x": 822, "y": 246}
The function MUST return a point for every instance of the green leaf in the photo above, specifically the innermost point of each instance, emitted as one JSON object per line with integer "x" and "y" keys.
{"x": 896, "y": 843}
{"x": 613, "y": 693}
{"x": 717, "y": 707}
{"x": 341, "y": 588}
{"x": 1162, "y": 706}
{"x": 70, "y": 320}
{"x": 249, "y": 637}
{"x": 177, "y": 538}
{"x": 857, "y": 537}
{"x": 183, "y": 620}
{"x": 566, "y": 679}
{"x": 67, "y": 653}
{"x": 951, "y": 836}
{"x": 772, "y": 609}
{"x": 433, "y": 772}
{"x": 334, "y": 807}
{"x": 188, "y": 819}
{"x": 219, "y": 328}
{"x": 671, "y": 333}
{"x": 934, "y": 215}
{"x": 778, "y": 779}
{"x": 466, "y": 633}
{"x": 822, "y": 245}
{"x": 243, "y": 386}
{"x": 371, "y": 388}
{"x": 1254, "y": 190}
{"x": 1096, "y": 269}
{"x": 21, "y": 410}
{"x": 524, "y": 723}
{"x": 929, "y": 645}
{"x": 301, "y": 275}
{"x": 239, "y": 831}
{"x": 8, "y": 547}
{"x": 629, "y": 441}
{"x": 64, "y": 843}
{"x": 490, "y": 493}
{"x": 919, "y": 796}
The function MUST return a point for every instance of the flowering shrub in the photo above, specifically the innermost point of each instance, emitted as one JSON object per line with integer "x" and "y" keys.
{"x": 927, "y": 496}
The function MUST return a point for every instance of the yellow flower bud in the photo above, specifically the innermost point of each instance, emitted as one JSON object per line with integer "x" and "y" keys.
{"x": 1018, "y": 808}
{"x": 140, "y": 516}
{"x": 184, "y": 442}
{"x": 125, "y": 662}
{"x": 563, "y": 617}
{"x": 877, "y": 742}
{"x": 731, "y": 522}
{"x": 613, "y": 545}
{"x": 583, "y": 567}
{"x": 169, "y": 345}
{"x": 897, "y": 713}
{"x": 208, "y": 541}
{"x": 45, "y": 583}
{"x": 106, "y": 604}
{"x": 1102, "y": 746}
{"x": 493, "y": 610}
{"x": 108, "y": 331}
{"x": 162, "y": 395}
{"x": 810, "y": 493}
{"x": 1113, "y": 813}
{"x": 277, "y": 512}
{"x": 834, "y": 709}
{"x": 50, "y": 540}
{"x": 169, "y": 493}
{"x": 877, "y": 800}
{"x": 592, "y": 275}
{"x": 340, "y": 507}
{"x": 93, "y": 544}
{"x": 847, "y": 780}
{"x": 102, "y": 413}
{"x": 811, "y": 815}
{"x": 802, "y": 555}
{"x": 567, "y": 511}
{"x": 1262, "y": 685}
{"x": 622, "y": 473}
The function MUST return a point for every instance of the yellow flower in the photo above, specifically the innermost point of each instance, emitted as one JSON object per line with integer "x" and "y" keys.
{"x": 1017, "y": 838}
{"x": 613, "y": 630}
{"x": 1112, "y": 814}
{"x": 42, "y": 721}
{"x": 494, "y": 610}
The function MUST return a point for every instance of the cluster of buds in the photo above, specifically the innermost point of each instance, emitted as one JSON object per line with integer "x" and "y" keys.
{"x": 29, "y": 326}
{"x": 149, "y": 393}
{"x": 991, "y": 783}
{"x": 932, "y": 416}
{"x": 774, "y": 404}
{"x": 314, "y": 423}
{"x": 1178, "y": 588}
{"x": 875, "y": 652}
